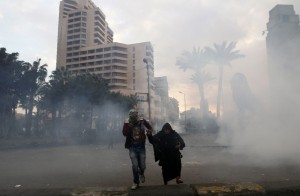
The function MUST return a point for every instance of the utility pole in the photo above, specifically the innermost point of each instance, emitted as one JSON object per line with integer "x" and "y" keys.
{"x": 149, "y": 99}
{"x": 184, "y": 110}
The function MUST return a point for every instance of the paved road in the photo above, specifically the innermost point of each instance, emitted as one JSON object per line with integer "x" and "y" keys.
{"x": 69, "y": 167}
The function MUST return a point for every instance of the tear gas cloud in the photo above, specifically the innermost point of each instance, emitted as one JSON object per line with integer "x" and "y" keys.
{"x": 269, "y": 132}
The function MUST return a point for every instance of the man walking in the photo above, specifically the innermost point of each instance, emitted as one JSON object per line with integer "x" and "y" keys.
{"x": 134, "y": 131}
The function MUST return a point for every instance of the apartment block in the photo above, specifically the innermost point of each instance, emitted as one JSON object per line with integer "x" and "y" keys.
{"x": 85, "y": 45}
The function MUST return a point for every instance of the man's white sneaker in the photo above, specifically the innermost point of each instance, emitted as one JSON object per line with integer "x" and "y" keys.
{"x": 134, "y": 186}
{"x": 142, "y": 178}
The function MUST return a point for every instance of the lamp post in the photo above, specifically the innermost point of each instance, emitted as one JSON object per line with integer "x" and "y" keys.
{"x": 184, "y": 110}
{"x": 149, "y": 101}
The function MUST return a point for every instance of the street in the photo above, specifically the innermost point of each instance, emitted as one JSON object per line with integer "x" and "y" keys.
{"x": 98, "y": 166}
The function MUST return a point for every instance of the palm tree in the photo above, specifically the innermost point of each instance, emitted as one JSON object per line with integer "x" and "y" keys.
{"x": 33, "y": 78}
{"x": 10, "y": 74}
{"x": 196, "y": 61}
{"x": 222, "y": 55}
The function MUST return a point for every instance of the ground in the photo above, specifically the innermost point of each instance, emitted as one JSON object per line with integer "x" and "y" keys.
{"x": 78, "y": 166}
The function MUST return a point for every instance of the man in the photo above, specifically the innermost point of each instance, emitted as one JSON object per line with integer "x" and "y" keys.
{"x": 134, "y": 131}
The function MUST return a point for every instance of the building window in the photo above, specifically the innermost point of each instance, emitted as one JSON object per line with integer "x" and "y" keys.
{"x": 107, "y": 55}
{"x": 83, "y": 52}
{"x": 83, "y": 58}
{"x": 107, "y": 68}
{"x": 107, "y": 61}
{"x": 107, "y": 49}
{"x": 91, "y": 57}
{"x": 76, "y": 30}
{"x": 99, "y": 50}
{"x": 91, "y": 51}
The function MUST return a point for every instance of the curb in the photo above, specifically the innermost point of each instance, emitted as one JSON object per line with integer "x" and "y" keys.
{"x": 245, "y": 188}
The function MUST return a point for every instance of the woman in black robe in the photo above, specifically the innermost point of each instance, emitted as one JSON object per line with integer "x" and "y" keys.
{"x": 167, "y": 144}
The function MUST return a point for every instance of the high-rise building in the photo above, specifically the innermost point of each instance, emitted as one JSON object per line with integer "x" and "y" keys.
{"x": 81, "y": 24}
{"x": 283, "y": 49}
{"x": 85, "y": 45}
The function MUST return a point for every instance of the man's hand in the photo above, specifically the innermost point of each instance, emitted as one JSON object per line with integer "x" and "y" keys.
{"x": 149, "y": 132}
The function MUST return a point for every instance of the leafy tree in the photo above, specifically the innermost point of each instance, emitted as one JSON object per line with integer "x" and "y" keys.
{"x": 196, "y": 61}
{"x": 222, "y": 55}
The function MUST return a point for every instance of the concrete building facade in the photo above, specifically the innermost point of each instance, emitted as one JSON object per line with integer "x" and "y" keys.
{"x": 85, "y": 45}
{"x": 283, "y": 49}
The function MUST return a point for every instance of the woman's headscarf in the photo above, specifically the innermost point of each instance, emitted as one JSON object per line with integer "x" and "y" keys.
{"x": 167, "y": 126}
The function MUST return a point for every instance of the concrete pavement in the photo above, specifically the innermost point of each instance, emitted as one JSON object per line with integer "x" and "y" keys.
{"x": 169, "y": 190}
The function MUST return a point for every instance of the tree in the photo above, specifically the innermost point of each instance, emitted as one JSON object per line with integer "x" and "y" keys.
{"x": 10, "y": 73}
{"x": 196, "y": 61}
{"x": 33, "y": 78}
{"x": 222, "y": 55}
{"x": 53, "y": 94}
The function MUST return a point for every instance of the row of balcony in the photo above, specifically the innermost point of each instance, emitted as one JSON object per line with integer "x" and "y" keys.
{"x": 120, "y": 69}
{"x": 98, "y": 56}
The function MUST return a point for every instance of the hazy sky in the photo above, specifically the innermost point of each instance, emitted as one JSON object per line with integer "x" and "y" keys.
{"x": 172, "y": 26}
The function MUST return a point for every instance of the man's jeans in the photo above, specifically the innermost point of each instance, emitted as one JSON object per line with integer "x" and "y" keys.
{"x": 138, "y": 158}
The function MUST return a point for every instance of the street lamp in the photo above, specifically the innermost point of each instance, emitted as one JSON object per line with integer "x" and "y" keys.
{"x": 184, "y": 110}
{"x": 149, "y": 101}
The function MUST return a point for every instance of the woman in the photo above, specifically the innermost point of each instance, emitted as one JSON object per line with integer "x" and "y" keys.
{"x": 167, "y": 144}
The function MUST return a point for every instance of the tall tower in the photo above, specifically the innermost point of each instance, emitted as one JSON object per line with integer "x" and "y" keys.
{"x": 283, "y": 50}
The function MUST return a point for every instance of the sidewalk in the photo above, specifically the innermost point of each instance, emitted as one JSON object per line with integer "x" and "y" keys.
{"x": 170, "y": 190}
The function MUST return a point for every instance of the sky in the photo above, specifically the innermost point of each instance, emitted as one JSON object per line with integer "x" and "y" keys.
{"x": 172, "y": 26}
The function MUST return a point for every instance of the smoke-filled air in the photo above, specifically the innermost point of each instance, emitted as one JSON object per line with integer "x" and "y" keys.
{"x": 114, "y": 96}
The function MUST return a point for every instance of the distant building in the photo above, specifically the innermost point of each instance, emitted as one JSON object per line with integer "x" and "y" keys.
{"x": 85, "y": 45}
{"x": 162, "y": 98}
{"x": 283, "y": 50}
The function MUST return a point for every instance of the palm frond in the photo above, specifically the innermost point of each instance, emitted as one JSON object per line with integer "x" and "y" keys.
{"x": 223, "y": 54}
{"x": 201, "y": 77}
{"x": 194, "y": 60}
